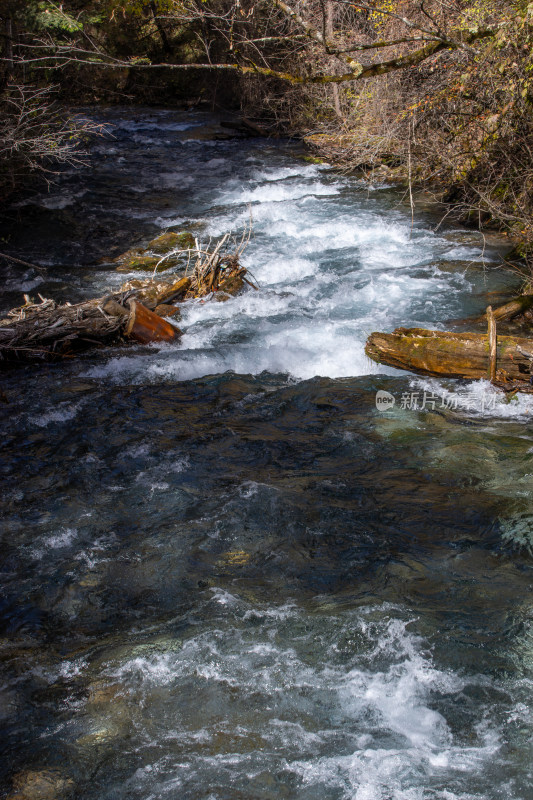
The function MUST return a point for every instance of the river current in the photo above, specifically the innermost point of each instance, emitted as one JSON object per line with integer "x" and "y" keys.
{"x": 227, "y": 575}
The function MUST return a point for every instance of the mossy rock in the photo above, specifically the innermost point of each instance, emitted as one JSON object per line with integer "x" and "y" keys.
{"x": 171, "y": 241}
{"x": 141, "y": 263}
{"x": 147, "y": 259}
{"x": 134, "y": 252}
{"x": 133, "y": 263}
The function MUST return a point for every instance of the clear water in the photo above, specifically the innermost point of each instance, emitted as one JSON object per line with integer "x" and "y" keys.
{"x": 225, "y": 573}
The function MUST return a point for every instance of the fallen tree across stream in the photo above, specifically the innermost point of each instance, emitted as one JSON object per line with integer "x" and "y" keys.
{"x": 141, "y": 310}
{"x": 507, "y": 361}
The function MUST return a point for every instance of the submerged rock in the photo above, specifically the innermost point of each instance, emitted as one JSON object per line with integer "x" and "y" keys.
{"x": 103, "y": 694}
{"x": 45, "y": 784}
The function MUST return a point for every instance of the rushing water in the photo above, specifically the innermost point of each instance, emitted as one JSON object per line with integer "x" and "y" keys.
{"x": 226, "y": 574}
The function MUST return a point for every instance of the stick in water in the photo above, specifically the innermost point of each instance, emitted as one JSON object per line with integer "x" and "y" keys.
{"x": 492, "y": 344}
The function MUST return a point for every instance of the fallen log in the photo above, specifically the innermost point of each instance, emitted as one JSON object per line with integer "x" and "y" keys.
{"x": 46, "y": 331}
{"x": 177, "y": 291}
{"x": 493, "y": 344}
{"x": 512, "y": 309}
{"x": 58, "y": 331}
{"x": 453, "y": 355}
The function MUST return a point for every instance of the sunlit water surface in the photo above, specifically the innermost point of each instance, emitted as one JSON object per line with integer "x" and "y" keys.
{"x": 226, "y": 574}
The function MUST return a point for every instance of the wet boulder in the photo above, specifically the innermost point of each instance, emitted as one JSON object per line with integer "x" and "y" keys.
{"x": 171, "y": 241}
{"x": 137, "y": 262}
{"x": 162, "y": 253}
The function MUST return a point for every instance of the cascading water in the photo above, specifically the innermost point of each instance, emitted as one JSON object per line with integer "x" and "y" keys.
{"x": 226, "y": 574}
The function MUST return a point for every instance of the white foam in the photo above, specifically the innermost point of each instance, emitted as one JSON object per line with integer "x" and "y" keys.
{"x": 60, "y": 201}
{"x": 477, "y": 398}
{"x": 332, "y": 267}
{"x": 62, "y": 412}
{"x": 65, "y": 670}
{"x": 26, "y": 284}
{"x": 278, "y": 193}
{"x": 177, "y": 178}
{"x": 343, "y": 719}
{"x": 158, "y": 125}
{"x": 63, "y": 539}
{"x": 282, "y": 173}
{"x": 214, "y": 163}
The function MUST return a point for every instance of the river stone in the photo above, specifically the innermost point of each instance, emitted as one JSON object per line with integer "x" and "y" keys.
{"x": 102, "y": 694}
{"x": 45, "y": 784}
{"x": 234, "y": 558}
{"x": 134, "y": 261}
{"x": 171, "y": 241}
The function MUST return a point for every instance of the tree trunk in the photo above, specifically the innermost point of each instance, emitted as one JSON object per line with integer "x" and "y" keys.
{"x": 9, "y": 70}
{"x": 329, "y": 34}
{"x": 49, "y": 332}
{"x": 162, "y": 33}
{"x": 454, "y": 355}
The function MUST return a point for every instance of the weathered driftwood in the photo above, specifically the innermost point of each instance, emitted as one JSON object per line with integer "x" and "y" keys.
{"x": 514, "y": 308}
{"x": 493, "y": 344}
{"x": 454, "y": 355}
{"x": 46, "y": 331}
{"x": 56, "y": 331}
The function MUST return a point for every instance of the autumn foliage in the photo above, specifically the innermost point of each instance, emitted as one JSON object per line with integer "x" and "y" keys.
{"x": 433, "y": 93}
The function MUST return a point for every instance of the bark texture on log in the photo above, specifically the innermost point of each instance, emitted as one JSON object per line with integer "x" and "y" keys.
{"x": 513, "y": 308}
{"x": 176, "y": 291}
{"x": 55, "y": 333}
{"x": 453, "y": 355}
{"x": 48, "y": 332}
